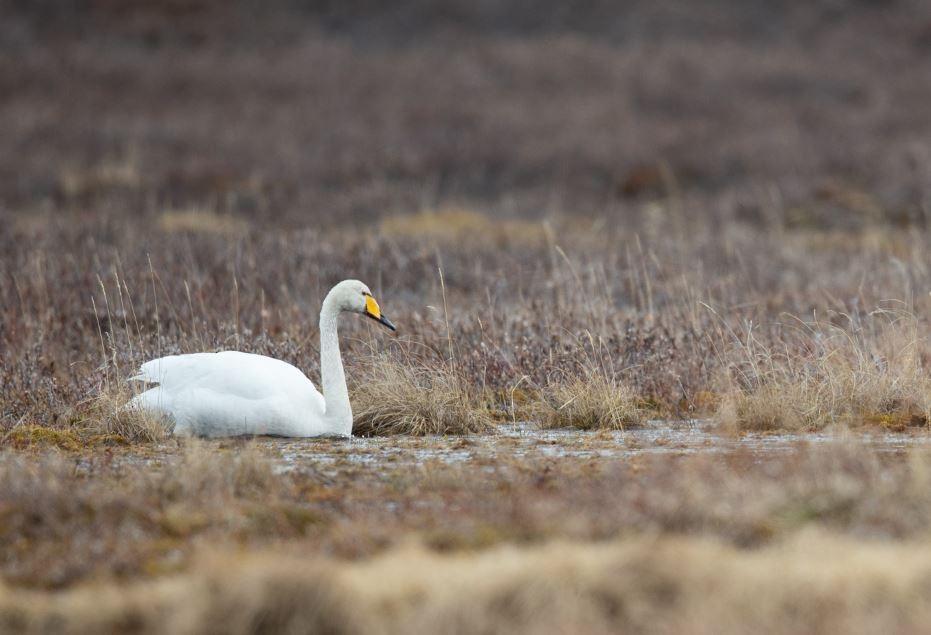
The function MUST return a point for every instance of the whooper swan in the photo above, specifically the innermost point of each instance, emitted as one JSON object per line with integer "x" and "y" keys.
{"x": 232, "y": 393}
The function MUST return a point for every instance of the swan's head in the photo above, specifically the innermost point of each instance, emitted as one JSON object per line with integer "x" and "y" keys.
{"x": 355, "y": 297}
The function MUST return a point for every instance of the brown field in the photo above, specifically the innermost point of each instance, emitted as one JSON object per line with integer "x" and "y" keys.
{"x": 590, "y": 223}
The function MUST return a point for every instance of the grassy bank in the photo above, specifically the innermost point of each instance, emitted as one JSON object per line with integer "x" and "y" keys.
{"x": 209, "y": 537}
{"x": 585, "y": 329}
{"x": 668, "y": 585}
{"x": 132, "y": 512}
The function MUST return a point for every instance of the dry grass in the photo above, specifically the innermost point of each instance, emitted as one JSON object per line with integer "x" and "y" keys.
{"x": 664, "y": 586}
{"x": 415, "y": 399}
{"x": 514, "y": 544}
{"x": 251, "y": 597}
{"x": 108, "y": 415}
{"x": 671, "y": 585}
{"x": 617, "y": 209}
{"x": 67, "y": 519}
{"x": 538, "y": 316}
{"x": 201, "y": 221}
{"x": 451, "y": 225}
{"x": 586, "y": 404}
{"x": 103, "y": 419}
{"x": 601, "y": 203}
{"x": 873, "y": 374}
{"x": 139, "y": 512}
{"x": 206, "y": 477}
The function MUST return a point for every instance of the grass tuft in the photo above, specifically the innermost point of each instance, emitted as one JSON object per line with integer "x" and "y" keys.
{"x": 108, "y": 415}
{"x": 872, "y": 376}
{"x": 594, "y": 403}
{"x": 396, "y": 398}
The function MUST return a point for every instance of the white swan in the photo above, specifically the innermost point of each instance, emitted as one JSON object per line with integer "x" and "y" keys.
{"x": 232, "y": 393}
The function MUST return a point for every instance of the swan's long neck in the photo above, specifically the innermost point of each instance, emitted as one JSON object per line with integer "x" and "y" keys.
{"x": 338, "y": 411}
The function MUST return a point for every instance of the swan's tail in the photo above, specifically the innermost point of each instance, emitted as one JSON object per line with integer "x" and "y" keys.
{"x": 152, "y": 371}
{"x": 152, "y": 408}
{"x": 147, "y": 401}
{"x": 152, "y": 400}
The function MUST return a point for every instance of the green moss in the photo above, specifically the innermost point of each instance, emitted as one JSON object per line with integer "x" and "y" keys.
{"x": 27, "y": 436}
{"x": 897, "y": 421}
{"x": 71, "y": 439}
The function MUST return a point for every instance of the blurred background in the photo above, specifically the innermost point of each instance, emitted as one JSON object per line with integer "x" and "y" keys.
{"x": 789, "y": 114}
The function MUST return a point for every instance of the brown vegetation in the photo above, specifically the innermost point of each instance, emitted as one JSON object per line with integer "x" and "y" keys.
{"x": 124, "y": 513}
{"x": 482, "y": 546}
{"x": 637, "y": 220}
{"x": 868, "y": 373}
{"x": 670, "y": 585}
{"x": 583, "y": 215}
{"x": 586, "y": 404}
{"x": 411, "y": 397}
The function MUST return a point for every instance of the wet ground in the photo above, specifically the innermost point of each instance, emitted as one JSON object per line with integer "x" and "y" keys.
{"x": 527, "y": 441}
{"x": 146, "y": 509}
{"x": 524, "y": 440}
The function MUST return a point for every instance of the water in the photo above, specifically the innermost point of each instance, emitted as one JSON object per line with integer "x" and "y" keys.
{"x": 525, "y": 440}
{"x": 521, "y": 441}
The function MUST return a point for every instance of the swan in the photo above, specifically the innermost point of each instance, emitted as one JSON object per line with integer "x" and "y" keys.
{"x": 231, "y": 393}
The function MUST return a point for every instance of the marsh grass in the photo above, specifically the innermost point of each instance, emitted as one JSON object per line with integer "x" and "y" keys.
{"x": 127, "y": 513}
{"x": 100, "y": 420}
{"x": 397, "y": 397}
{"x": 68, "y": 518}
{"x": 666, "y": 585}
{"x": 108, "y": 414}
{"x": 873, "y": 373}
{"x": 215, "y": 476}
{"x": 589, "y": 339}
{"x": 204, "y": 220}
{"x": 586, "y": 404}
{"x": 226, "y": 233}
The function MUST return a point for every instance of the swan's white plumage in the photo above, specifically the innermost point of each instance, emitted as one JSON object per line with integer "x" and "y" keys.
{"x": 232, "y": 393}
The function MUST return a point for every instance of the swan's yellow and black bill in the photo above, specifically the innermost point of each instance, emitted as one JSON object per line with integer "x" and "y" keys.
{"x": 374, "y": 311}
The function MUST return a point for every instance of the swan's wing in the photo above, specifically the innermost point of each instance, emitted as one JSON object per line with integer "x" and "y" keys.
{"x": 230, "y": 373}
{"x": 231, "y": 393}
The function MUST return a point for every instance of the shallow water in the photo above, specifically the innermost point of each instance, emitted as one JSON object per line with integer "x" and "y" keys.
{"x": 525, "y": 440}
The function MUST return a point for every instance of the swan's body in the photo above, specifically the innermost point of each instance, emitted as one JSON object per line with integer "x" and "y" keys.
{"x": 232, "y": 393}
